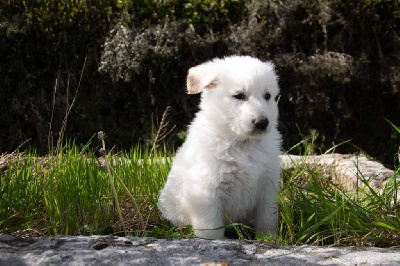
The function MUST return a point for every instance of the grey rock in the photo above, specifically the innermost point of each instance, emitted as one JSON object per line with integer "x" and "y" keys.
{"x": 110, "y": 250}
{"x": 346, "y": 170}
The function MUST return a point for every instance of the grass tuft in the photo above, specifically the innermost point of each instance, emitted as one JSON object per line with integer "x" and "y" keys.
{"x": 69, "y": 193}
{"x": 314, "y": 210}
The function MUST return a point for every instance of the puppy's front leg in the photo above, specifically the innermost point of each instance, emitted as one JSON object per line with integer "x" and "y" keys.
{"x": 266, "y": 216}
{"x": 206, "y": 222}
{"x": 266, "y": 221}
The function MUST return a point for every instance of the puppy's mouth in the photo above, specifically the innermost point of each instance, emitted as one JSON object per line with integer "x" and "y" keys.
{"x": 253, "y": 129}
{"x": 258, "y": 132}
{"x": 255, "y": 133}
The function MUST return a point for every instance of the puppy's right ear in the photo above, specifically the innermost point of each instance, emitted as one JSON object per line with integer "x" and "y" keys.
{"x": 201, "y": 77}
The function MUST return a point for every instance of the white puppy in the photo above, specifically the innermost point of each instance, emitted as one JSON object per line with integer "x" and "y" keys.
{"x": 228, "y": 168}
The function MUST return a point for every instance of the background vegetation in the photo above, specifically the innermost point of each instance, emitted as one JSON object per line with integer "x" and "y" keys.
{"x": 75, "y": 67}
{"x": 125, "y": 61}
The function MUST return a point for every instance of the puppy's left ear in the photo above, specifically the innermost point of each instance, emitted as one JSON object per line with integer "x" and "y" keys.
{"x": 201, "y": 77}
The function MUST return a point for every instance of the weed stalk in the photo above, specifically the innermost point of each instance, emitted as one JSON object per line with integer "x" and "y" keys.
{"x": 132, "y": 198}
{"x": 162, "y": 131}
{"x": 101, "y": 137}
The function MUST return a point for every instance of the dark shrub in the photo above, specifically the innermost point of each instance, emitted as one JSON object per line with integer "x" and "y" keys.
{"x": 337, "y": 60}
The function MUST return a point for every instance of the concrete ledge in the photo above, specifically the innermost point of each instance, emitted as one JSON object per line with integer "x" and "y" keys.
{"x": 109, "y": 250}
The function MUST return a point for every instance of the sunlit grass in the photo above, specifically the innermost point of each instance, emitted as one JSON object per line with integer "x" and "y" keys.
{"x": 70, "y": 193}
{"x": 320, "y": 212}
{"x": 315, "y": 210}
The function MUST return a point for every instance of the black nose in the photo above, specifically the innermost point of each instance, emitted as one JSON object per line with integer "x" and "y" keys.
{"x": 261, "y": 124}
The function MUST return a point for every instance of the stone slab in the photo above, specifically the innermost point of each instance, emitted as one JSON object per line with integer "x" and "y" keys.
{"x": 110, "y": 250}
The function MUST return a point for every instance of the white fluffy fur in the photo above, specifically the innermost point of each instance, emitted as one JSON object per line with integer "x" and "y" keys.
{"x": 226, "y": 167}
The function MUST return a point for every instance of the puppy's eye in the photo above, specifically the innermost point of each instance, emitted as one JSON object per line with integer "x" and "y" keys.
{"x": 240, "y": 96}
{"x": 267, "y": 96}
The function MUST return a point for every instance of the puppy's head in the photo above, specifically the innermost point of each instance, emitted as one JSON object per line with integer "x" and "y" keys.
{"x": 238, "y": 94}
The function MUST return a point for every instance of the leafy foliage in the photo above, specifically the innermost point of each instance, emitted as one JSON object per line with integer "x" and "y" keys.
{"x": 333, "y": 58}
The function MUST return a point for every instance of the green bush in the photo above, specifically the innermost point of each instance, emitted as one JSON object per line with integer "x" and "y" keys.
{"x": 333, "y": 58}
{"x": 44, "y": 43}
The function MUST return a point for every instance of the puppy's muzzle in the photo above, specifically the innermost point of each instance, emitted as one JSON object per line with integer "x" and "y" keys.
{"x": 261, "y": 124}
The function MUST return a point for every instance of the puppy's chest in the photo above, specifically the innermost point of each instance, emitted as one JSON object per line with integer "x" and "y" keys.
{"x": 239, "y": 171}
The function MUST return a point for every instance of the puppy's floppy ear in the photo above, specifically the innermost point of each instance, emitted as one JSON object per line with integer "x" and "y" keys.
{"x": 201, "y": 77}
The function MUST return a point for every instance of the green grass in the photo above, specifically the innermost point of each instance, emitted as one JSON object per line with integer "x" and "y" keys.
{"x": 320, "y": 212}
{"x": 70, "y": 193}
